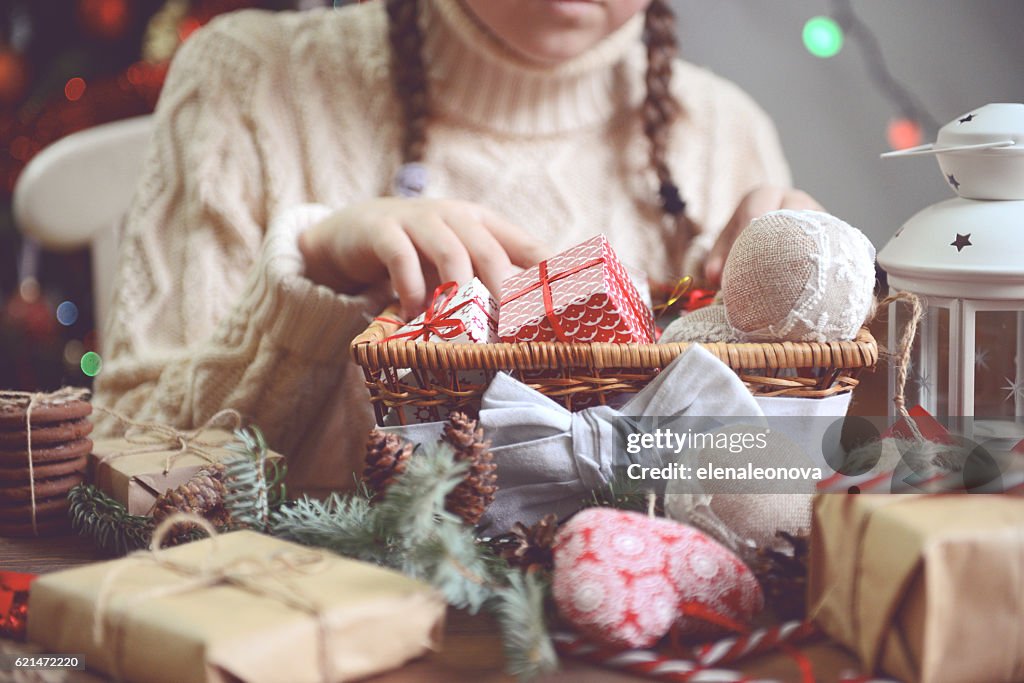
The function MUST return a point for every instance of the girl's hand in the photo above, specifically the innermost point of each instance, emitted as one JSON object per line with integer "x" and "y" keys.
{"x": 757, "y": 203}
{"x": 401, "y": 238}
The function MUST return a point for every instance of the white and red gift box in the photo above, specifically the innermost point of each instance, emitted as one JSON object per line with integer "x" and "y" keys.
{"x": 582, "y": 295}
{"x": 466, "y": 314}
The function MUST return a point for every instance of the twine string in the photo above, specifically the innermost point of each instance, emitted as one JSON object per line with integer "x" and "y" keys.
{"x": 249, "y": 574}
{"x": 62, "y": 395}
{"x": 153, "y": 437}
{"x": 902, "y": 355}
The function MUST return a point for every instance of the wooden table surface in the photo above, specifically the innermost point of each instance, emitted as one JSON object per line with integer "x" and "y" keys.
{"x": 472, "y": 645}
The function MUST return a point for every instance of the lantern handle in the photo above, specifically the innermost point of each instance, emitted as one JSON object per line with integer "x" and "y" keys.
{"x": 930, "y": 148}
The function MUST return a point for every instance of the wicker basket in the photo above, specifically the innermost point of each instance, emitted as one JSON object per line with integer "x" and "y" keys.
{"x": 580, "y": 375}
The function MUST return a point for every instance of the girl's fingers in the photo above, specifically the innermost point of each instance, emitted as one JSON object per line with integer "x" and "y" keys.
{"x": 441, "y": 246}
{"x": 491, "y": 263}
{"x": 522, "y": 249}
{"x": 397, "y": 252}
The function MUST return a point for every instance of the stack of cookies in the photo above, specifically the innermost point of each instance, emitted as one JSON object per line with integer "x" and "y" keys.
{"x": 59, "y": 446}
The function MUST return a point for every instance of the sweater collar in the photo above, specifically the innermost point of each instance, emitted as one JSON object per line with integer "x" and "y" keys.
{"x": 477, "y": 80}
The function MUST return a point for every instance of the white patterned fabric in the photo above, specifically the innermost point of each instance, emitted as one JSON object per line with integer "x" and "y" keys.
{"x": 799, "y": 276}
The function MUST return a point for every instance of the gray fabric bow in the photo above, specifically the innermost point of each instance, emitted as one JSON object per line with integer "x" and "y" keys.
{"x": 550, "y": 459}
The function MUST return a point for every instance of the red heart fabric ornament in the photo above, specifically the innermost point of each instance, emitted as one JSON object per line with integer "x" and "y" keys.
{"x": 625, "y": 579}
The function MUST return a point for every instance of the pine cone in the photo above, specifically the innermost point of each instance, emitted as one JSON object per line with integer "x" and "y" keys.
{"x": 529, "y": 548}
{"x": 386, "y": 458}
{"x": 203, "y": 494}
{"x": 783, "y": 576}
{"x": 471, "y": 497}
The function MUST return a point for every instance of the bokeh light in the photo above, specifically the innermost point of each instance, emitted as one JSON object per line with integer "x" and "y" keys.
{"x": 74, "y": 89}
{"x": 67, "y": 313}
{"x": 91, "y": 363}
{"x": 904, "y": 133}
{"x": 73, "y": 351}
{"x": 823, "y": 37}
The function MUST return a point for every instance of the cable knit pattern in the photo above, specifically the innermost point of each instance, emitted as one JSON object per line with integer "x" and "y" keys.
{"x": 269, "y": 121}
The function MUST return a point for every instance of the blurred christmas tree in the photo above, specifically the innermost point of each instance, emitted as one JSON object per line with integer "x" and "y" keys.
{"x": 66, "y": 65}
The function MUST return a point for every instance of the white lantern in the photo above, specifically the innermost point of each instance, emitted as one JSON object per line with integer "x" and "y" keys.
{"x": 965, "y": 258}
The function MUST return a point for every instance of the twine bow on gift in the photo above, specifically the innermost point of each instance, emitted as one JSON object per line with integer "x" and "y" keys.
{"x": 438, "y": 319}
{"x": 265, "y": 576}
{"x": 153, "y": 437}
{"x": 32, "y": 399}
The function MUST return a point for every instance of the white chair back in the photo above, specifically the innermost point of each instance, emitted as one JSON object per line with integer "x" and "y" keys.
{"x": 76, "y": 192}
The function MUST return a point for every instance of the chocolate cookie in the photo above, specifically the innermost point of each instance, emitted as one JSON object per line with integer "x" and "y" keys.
{"x": 64, "y": 451}
{"x": 19, "y": 475}
{"x": 60, "y": 406}
{"x": 45, "y": 434}
{"x": 13, "y": 494}
{"x": 46, "y": 508}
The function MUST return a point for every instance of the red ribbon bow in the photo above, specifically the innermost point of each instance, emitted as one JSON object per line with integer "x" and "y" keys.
{"x": 437, "y": 319}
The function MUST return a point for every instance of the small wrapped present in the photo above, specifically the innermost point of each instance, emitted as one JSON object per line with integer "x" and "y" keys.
{"x": 925, "y": 588}
{"x": 152, "y": 459}
{"x": 238, "y": 607}
{"x": 466, "y": 314}
{"x": 582, "y": 295}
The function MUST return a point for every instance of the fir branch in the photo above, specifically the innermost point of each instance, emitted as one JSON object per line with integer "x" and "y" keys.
{"x": 453, "y": 562}
{"x": 414, "y": 504}
{"x": 97, "y": 516}
{"x": 519, "y": 608}
{"x": 344, "y": 525}
{"x": 251, "y": 493}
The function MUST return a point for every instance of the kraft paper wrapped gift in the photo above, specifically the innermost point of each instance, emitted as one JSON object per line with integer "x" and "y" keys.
{"x": 926, "y": 588}
{"x": 135, "y": 472}
{"x": 238, "y": 607}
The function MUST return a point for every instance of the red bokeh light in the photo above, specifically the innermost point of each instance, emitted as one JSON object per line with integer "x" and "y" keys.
{"x": 105, "y": 18}
{"x": 13, "y": 77}
{"x": 904, "y": 133}
{"x": 74, "y": 89}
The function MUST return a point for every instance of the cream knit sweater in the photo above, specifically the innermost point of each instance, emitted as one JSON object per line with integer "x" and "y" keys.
{"x": 270, "y": 121}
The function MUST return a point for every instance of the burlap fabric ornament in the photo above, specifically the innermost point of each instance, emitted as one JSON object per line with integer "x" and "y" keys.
{"x": 802, "y": 276}
{"x": 799, "y": 276}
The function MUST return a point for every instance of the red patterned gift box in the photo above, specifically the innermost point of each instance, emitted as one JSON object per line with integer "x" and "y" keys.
{"x": 582, "y": 295}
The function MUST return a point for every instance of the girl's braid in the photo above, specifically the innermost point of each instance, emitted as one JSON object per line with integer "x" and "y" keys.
{"x": 410, "y": 75}
{"x": 660, "y": 108}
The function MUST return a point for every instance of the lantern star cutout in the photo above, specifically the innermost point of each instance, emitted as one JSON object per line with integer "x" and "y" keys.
{"x": 1014, "y": 389}
{"x": 961, "y": 241}
{"x": 919, "y": 378}
{"x": 981, "y": 358}
{"x": 953, "y": 181}
{"x": 967, "y": 119}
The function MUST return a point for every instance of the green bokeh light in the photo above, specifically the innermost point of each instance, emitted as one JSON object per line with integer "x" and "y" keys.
{"x": 823, "y": 37}
{"x": 91, "y": 363}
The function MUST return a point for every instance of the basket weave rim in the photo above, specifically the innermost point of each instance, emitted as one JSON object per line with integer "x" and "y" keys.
{"x": 373, "y": 354}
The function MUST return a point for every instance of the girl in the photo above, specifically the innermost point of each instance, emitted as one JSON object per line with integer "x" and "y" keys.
{"x": 306, "y": 166}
